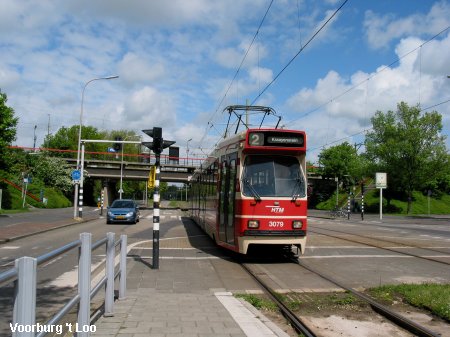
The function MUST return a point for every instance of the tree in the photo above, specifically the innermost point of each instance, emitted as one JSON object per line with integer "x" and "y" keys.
{"x": 52, "y": 171}
{"x": 8, "y": 129}
{"x": 341, "y": 161}
{"x": 408, "y": 146}
{"x": 67, "y": 139}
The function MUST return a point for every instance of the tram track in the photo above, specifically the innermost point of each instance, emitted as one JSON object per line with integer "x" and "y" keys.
{"x": 293, "y": 319}
{"x": 301, "y": 327}
{"x": 370, "y": 243}
{"x": 391, "y": 315}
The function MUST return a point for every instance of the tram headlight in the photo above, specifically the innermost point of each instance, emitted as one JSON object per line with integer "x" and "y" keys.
{"x": 297, "y": 224}
{"x": 253, "y": 224}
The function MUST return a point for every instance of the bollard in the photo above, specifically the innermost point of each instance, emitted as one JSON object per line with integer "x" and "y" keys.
{"x": 362, "y": 207}
{"x": 123, "y": 267}
{"x": 348, "y": 207}
{"x": 102, "y": 201}
{"x": 84, "y": 283}
{"x": 24, "y": 313}
{"x": 110, "y": 256}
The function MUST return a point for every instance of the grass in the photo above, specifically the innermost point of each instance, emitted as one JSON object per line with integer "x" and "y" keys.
{"x": 440, "y": 205}
{"x": 55, "y": 198}
{"x": 258, "y": 302}
{"x": 294, "y": 303}
{"x": 432, "y": 297}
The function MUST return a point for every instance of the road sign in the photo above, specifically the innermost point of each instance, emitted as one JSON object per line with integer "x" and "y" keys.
{"x": 380, "y": 180}
{"x": 76, "y": 175}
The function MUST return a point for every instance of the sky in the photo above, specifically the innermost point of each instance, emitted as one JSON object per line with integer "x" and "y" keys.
{"x": 180, "y": 63}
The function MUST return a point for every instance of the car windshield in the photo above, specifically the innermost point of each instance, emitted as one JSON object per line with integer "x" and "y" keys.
{"x": 280, "y": 176}
{"x": 122, "y": 204}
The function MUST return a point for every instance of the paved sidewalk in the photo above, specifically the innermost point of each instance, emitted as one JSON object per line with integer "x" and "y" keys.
{"x": 184, "y": 297}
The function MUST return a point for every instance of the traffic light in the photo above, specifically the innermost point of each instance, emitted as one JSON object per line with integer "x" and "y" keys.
{"x": 158, "y": 144}
{"x": 118, "y": 146}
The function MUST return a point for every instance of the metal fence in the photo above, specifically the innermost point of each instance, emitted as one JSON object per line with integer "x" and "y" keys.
{"x": 24, "y": 276}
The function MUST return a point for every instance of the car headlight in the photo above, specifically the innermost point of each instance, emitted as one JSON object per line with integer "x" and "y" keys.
{"x": 110, "y": 214}
{"x": 130, "y": 214}
{"x": 297, "y": 224}
{"x": 253, "y": 224}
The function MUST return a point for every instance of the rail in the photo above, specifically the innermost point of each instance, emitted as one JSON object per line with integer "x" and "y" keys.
{"x": 17, "y": 187}
{"x": 24, "y": 276}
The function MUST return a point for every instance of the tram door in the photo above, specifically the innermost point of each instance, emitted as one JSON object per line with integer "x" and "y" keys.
{"x": 227, "y": 196}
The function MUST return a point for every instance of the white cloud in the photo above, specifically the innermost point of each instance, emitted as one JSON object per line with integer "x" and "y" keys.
{"x": 134, "y": 69}
{"x": 382, "y": 29}
{"x": 9, "y": 78}
{"x": 232, "y": 57}
{"x": 337, "y": 107}
{"x": 148, "y": 107}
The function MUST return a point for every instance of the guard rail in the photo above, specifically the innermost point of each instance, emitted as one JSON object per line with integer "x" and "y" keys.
{"x": 24, "y": 276}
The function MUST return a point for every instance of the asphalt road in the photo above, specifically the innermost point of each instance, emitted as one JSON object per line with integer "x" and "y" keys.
{"x": 355, "y": 264}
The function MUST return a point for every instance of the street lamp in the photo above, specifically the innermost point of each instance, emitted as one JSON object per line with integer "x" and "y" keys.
{"x": 80, "y": 184}
{"x": 34, "y": 138}
{"x": 121, "y": 166}
{"x": 187, "y": 150}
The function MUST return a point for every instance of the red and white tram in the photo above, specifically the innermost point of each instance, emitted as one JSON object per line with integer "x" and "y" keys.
{"x": 252, "y": 190}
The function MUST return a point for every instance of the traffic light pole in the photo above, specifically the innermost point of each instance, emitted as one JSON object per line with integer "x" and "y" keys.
{"x": 156, "y": 199}
{"x": 157, "y": 146}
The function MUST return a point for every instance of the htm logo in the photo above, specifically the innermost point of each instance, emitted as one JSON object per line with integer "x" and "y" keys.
{"x": 276, "y": 209}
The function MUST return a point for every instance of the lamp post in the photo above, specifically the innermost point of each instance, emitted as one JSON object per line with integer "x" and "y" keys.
{"x": 121, "y": 166}
{"x": 187, "y": 150}
{"x": 78, "y": 201}
{"x": 34, "y": 139}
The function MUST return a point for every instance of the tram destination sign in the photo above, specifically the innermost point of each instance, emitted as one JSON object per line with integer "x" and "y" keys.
{"x": 288, "y": 139}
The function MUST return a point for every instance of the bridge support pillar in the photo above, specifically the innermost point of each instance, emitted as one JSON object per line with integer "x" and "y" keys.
{"x": 108, "y": 189}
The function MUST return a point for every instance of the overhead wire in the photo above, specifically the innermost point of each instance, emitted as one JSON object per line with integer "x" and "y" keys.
{"x": 300, "y": 50}
{"x": 238, "y": 69}
{"x": 369, "y": 77}
{"x": 368, "y": 129}
{"x": 366, "y": 81}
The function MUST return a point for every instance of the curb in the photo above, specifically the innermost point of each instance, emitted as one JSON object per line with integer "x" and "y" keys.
{"x": 13, "y": 238}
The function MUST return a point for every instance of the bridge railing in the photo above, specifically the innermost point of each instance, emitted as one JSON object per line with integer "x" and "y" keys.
{"x": 133, "y": 154}
{"x": 24, "y": 276}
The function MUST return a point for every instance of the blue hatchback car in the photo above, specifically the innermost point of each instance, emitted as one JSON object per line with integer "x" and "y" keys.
{"x": 123, "y": 210}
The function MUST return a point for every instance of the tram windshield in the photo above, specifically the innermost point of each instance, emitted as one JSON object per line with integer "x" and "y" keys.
{"x": 280, "y": 176}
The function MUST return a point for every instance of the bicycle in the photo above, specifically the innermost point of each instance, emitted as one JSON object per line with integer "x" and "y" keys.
{"x": 338, "y": 212}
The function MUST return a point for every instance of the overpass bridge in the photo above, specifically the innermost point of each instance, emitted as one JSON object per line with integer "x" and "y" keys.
{"x": 171, "y": 171}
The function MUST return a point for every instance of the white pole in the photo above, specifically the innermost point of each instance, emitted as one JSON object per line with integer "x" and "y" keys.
{"x": 121, "y": 174}
{"x": 381, "y": 203}
{"x": 75, "y": 201}
{"x": 337, "y": 191}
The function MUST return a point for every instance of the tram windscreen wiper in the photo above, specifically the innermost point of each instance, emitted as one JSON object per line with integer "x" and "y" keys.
{"x": 252, "y": 190}
{"x": 297, "y": 189}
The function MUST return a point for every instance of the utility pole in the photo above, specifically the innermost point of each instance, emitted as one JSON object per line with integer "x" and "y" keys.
{"x": 157, "y": 146}
{"x": 34, "y": 137}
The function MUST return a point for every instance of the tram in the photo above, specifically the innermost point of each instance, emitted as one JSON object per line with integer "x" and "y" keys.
{"x": 252, "y": 190}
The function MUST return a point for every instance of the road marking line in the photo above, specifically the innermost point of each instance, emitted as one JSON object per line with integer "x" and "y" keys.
{"x": 179, "y": 257}
{"x": 366, "y": 256}
{"x": 10, "y": 247}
